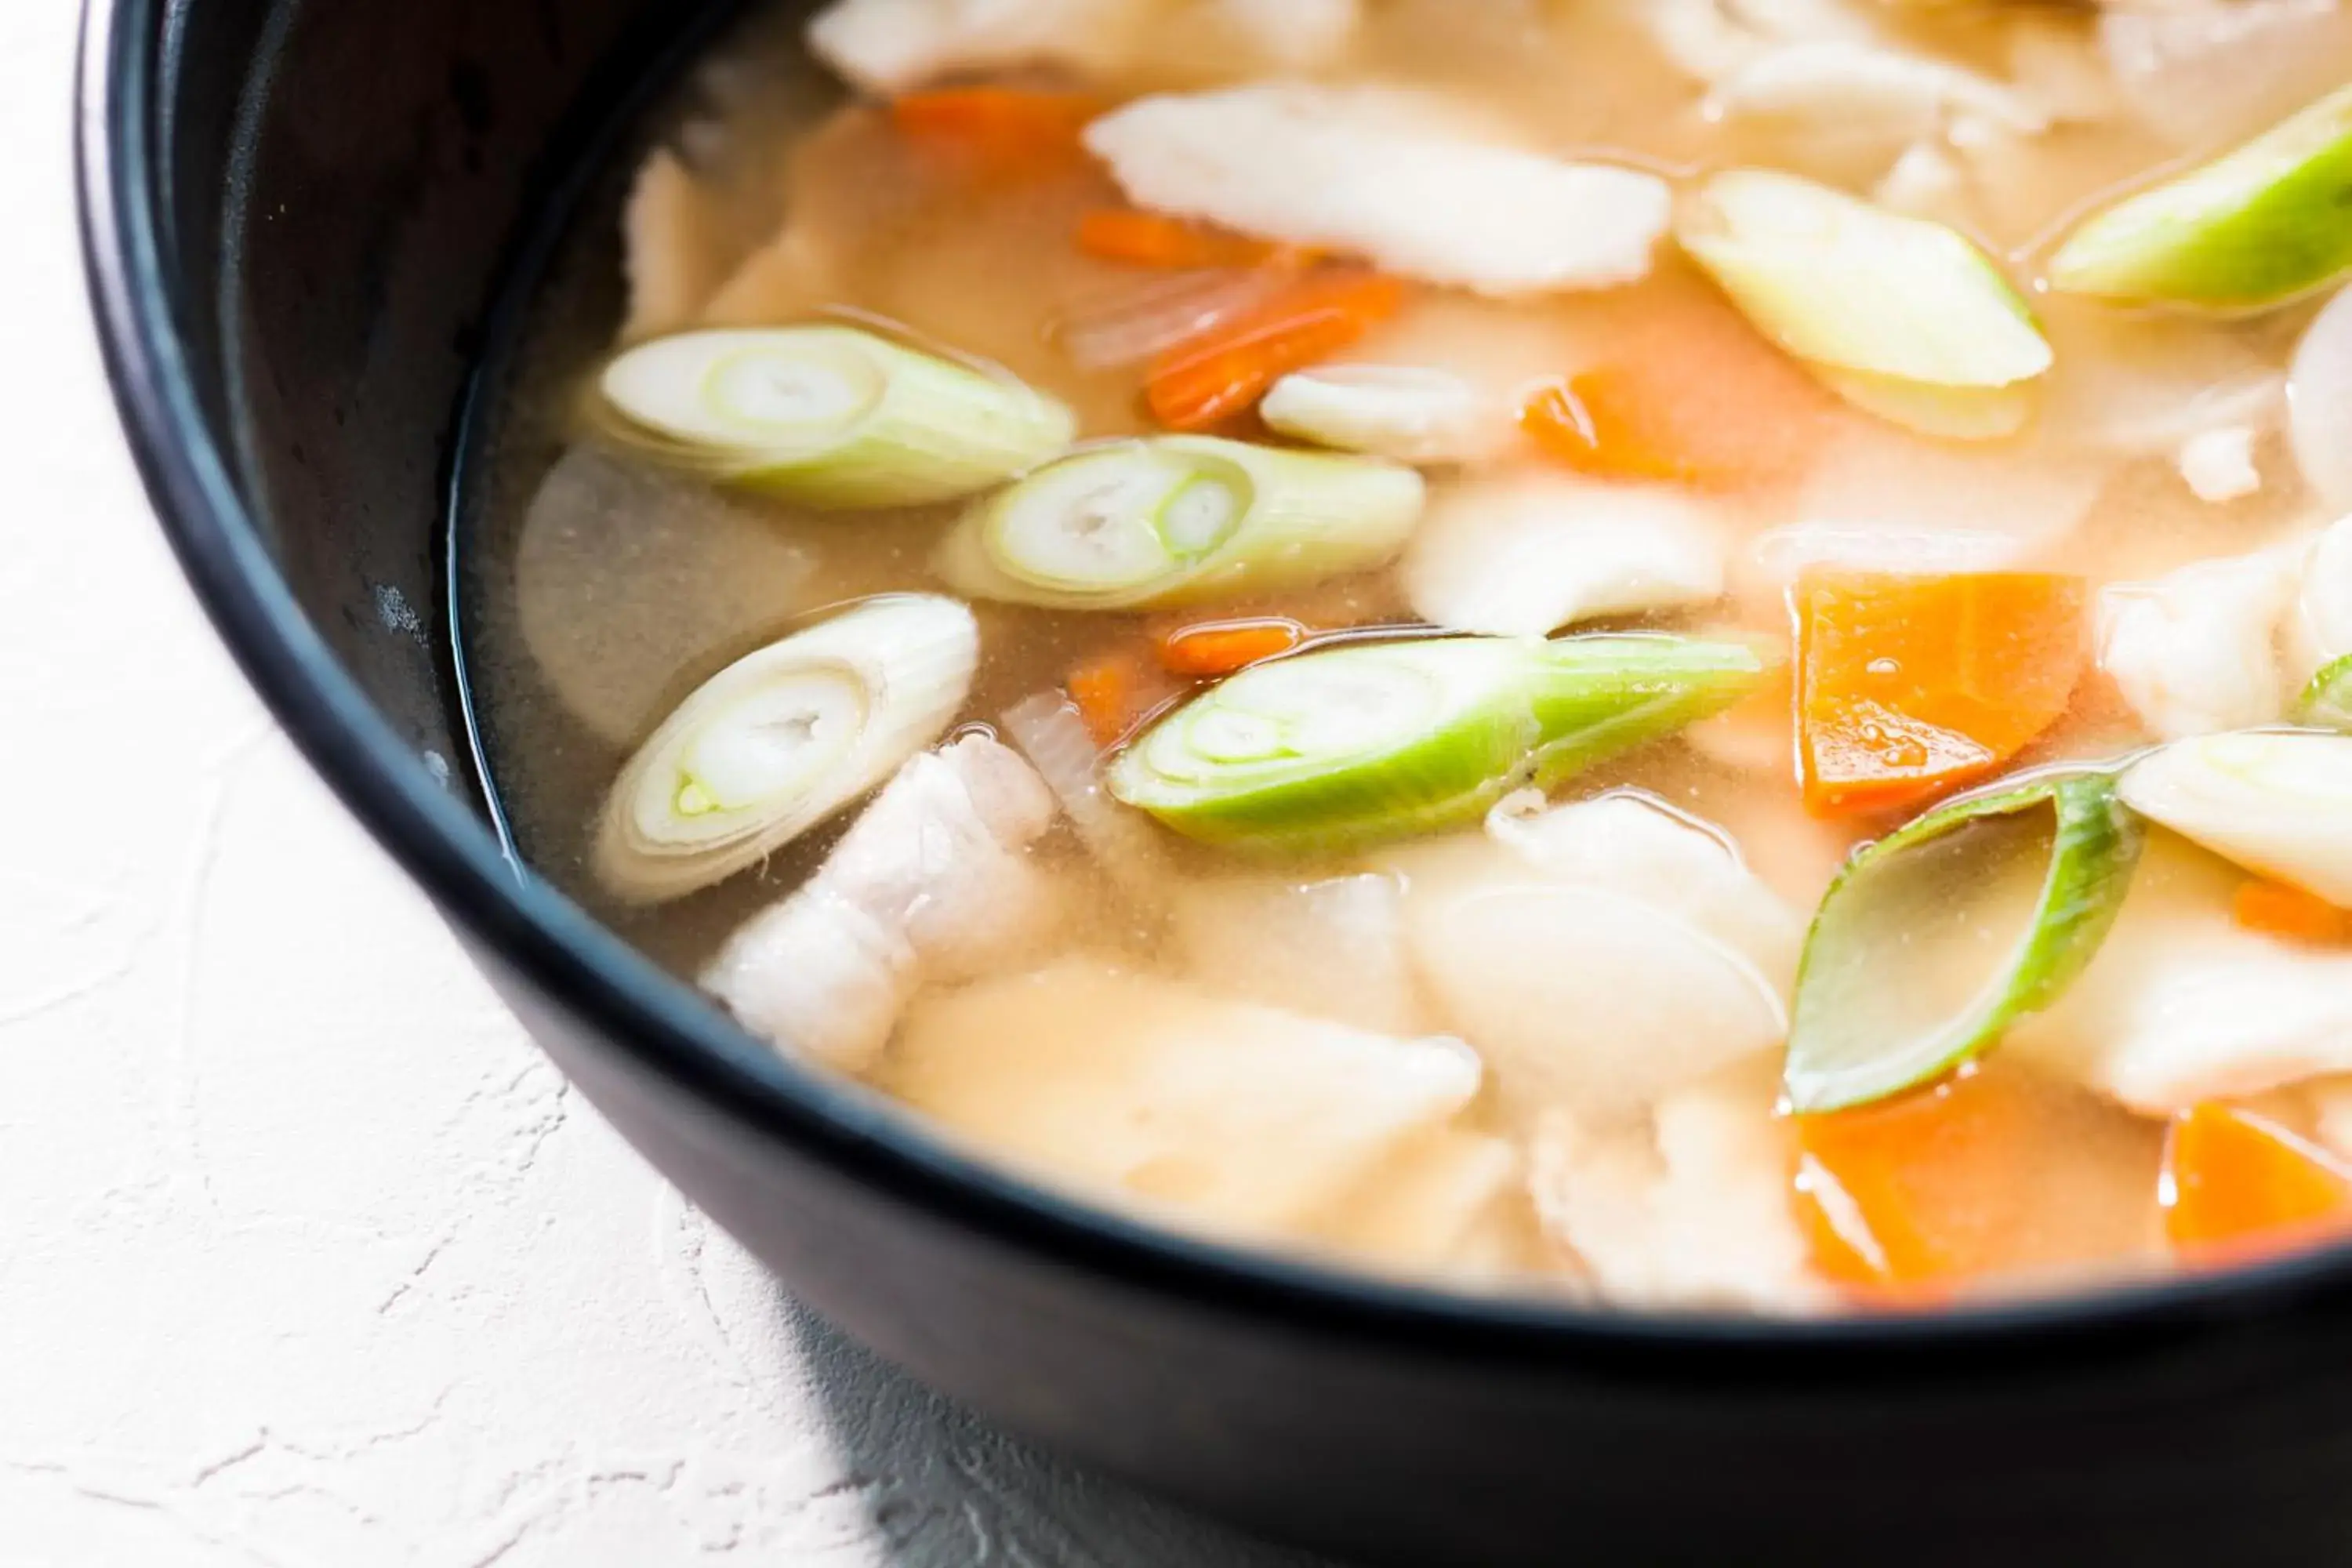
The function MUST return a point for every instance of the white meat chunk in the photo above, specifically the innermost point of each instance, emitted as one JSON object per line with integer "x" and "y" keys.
{"x": 890, "y": 45}
{"x": 1711, "y": 40}
{"x": 679, "y": 246}
{"x": 1601, "y": 955}
{"x": 932, "y": 884}
{"x": 2182, "y": 1004}
{"x": 1688, "y": 1208}
{"x": 2196, "y": 652}
{"x": 1449, "y": 1204}
{"x": 1232, "y": 1117}
{"x": 1860, "y": 89}
{"x": 1389, "y": 174}
{"x": 1525, "y": 553}
{"x": 1333, "y": 948}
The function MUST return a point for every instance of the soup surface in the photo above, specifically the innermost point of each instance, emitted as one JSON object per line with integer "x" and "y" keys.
{"x": 1683, "y": 652}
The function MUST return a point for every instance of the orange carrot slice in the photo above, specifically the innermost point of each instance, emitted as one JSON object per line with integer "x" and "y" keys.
{"x": 2275, "y": 908}
{"x": 1916, "y": 1192}
{"x": 1153, "y": 240}
{"x": 1689, "y": 394}
{"x": 997, "y": 131}
{"x": 1203, "y": 383}
{"x": 1212, "y": 649}
{"x": 1993, "y": 1170}
{"x": 1910, "y": 686}
{"x": 2237, "y": 1184}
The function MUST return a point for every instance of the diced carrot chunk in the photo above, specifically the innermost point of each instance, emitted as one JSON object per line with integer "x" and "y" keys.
{"x": 2276, "y": 909}
{"x": 1202, "y": 382}
{"x": 2237, "y": 1184}
{"x": 1910, "y": 686}
{"x": 1153, "y": 240}
{"x": 1116, "y": 692}
{"x": 1214, "y": 648}
{"x": 997, "y": 131}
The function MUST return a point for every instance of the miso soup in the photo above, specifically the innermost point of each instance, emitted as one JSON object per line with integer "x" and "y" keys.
{"x": 1691, "y": 654}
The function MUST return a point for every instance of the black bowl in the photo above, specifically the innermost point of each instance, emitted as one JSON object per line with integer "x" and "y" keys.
{"x": 296, "y": 214}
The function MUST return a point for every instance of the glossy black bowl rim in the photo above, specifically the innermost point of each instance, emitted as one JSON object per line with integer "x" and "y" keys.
{"x": 667, "y": 1028}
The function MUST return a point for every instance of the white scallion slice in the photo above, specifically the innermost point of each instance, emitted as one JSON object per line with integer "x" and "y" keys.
{"x": 1936, "y": 938}
{"x": 1177, "y": 518}
{"x": 1359, "y": 745}
{"x": 829, "y": 417}
{"x": 2278, "y": 802}
{"x": 2326, "y": 703}
{"x": 1904, "y": 318}
{"x": 1413, "y": 414}
{"x": 781, "y": 740}
{"x": 2255, "y": 229}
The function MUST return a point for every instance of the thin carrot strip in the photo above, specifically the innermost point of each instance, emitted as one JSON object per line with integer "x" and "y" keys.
{"x": 1117, "y": 690}
{"x": 1215, "y": 649}
{"x": 1154, "y": 239}
{"x": 2276, "y": 909}
{"x": 1211, "y": 379}
{"x": 997, "y": 130}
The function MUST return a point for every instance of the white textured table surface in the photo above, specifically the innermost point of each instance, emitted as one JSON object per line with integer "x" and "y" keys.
{"x": 307, "y": 1258}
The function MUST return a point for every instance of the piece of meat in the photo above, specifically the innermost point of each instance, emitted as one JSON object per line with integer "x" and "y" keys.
{"x": 932, "y": 884}
{"x": 1867, "y": 91}
{"x": 1331, "y": 948}
{"x": 1526, "y": 553}
{"x": 1452, "y": 1204}
{"x": 1225, "y": 1116}
{"x": 890, "y": 45}
{"x": 1390, "y": 176}
{"x": 2195, "y": 652}
{"x": 1688, "y": 1208}
{"x": 679, "y": 245}
{"x": 1711, "y": 40}
{"x": 2182, "y": 1006}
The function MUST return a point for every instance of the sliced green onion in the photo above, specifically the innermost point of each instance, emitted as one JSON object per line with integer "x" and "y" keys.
{"x": 1359, "y": 745}
{"x": 2259, "y": 227}
{"x": 781, "y": 740}
{"x": 1902, "y": 317}
{"x": 1177, "y": 518}
{"x": 2326, "y": 703}
{"x": 830, "y": 416}
{"x": 2278, "y": 802}
{"x": 1936, "y": 938}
